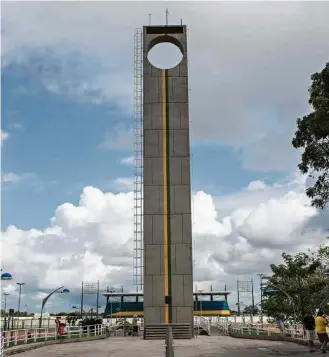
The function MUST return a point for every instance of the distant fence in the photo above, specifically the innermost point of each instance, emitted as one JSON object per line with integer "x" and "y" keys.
{"x": 47, "y": 322}
{"x": 228, "y": 327}
{"x": 29, "y": 322}
{"x": 23, "y": 336}
{"x": 203, "y": 323}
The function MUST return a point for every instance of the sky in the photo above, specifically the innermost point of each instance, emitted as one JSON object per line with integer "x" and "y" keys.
{"x": 67, "y": 140}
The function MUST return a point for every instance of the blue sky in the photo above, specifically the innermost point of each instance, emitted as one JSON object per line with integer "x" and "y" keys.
{"x": 60, "y": 143}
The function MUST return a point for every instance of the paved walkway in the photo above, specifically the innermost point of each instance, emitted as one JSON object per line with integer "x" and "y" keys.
{"x": 202, "y": 346}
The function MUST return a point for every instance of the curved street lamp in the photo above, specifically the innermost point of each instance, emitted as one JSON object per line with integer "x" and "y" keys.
{"x": 64, "y": 291}
{"x": 6, "y": 276}
{"x": 288, "y": 296}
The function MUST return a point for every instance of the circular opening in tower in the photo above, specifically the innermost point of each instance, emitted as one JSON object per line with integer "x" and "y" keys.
{"x": 165, "y": 55}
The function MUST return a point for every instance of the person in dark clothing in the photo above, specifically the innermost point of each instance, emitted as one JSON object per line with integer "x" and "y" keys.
{"x": 309, "y": 327}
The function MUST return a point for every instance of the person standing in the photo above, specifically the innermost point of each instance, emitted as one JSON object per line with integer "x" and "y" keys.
{"x": 321, "y": 330}
{"x": 309, "y": 327}
{"x": 135, "y": 326}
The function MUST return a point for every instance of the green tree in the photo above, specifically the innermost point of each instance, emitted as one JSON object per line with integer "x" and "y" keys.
{"x": 313, "y": 136}
{"x": 72, "y": 318}
{"x": 297, "y": 285}
{"x": 250, "y": 310}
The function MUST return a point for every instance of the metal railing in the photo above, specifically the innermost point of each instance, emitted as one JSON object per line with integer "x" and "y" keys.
{"x": 34, "y": 335}
{"x": 228, "y": 327}
{"x": 202, "y": 323}
{"x": 1, "y": 346}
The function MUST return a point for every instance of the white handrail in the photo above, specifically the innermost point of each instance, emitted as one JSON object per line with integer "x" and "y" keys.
{"x": 23, "y": 336}
{"x": 203, "y": 323}
{"x": 234, "y": 327}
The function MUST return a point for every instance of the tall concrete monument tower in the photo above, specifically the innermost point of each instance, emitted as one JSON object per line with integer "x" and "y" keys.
{"x": 167, "y": 233}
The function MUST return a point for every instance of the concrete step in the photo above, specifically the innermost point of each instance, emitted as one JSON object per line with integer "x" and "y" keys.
{"x": 158, "y": 331}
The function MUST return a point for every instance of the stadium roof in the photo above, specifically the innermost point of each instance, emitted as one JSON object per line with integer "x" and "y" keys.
{"x": 203, "y": 293}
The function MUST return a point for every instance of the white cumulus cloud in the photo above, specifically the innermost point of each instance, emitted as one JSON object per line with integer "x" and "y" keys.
{"x": 93, "y": 240}
{"x": 127, "y": 160}
{"x": 4, "y": 136}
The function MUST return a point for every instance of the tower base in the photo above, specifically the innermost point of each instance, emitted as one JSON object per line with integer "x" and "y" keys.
{"x": 159, "y": 331}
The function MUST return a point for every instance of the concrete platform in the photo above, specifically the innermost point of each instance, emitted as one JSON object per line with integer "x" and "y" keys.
{"x": 202, "y": 346}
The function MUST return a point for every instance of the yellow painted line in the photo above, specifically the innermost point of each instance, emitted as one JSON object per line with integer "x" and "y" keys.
{"x": 165, "y": 183}
{"x": 212, "y": 313}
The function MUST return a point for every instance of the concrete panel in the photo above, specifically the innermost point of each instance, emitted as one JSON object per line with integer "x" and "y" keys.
{"x": 186, "y": 171}
{"x": 174, "y": 315}
{"x": 180, "y": 90}
{"x": 148, "y": 229}
{"x": 176, "y": 225}
{"x": 157, "y": 171}
{"x": 183, "y": 66}
{"x": 184, "y": 117}
{"x": 171, "y": 143}
{"x": 185, "y": 314}
{"x": 147, "y": 67}
{"x": 162, "y": 314}
{"x": 153, "y": 314}
{"x": 156, "y": 72}
{"x": 183, "y": 259}
{"x": 174, "y": 115}
{"x": 158, "y": 229}
{"x": 148, "y": 290}
{"x": 158, "y": 290}
{"x": 152, "y": 199}
{"x": 153, "y": 259}
{"x": 181, "y": 143}
{"x": 175, "y": 170}
{"x": 147, "y": 171}
{"x": 157, "y": 120}
{"x": 188, "y": 290}
{"x": 173, "y": 259}
{"x": 152, "y": 143}
{"x": 187, "y": 228}
{"x": 147, "y": 116}
{"x": 151, "y": 90}
{"x": 177, "y": 290}
{"x": 170, "y": 91}
{"x": 182, "y": 200}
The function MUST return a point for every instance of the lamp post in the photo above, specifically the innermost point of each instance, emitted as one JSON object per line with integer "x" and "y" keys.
{"x": 64, "y": 291}
{"x": 19, "y": 297}
{"x": 289, "y": 298}
{"x": 5, "y": 308}
{"x": 261, "y": 277}
{"x": 111, "y": 304}
{"x": 6, "y": 276}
